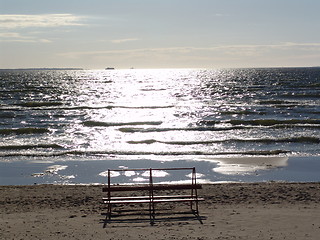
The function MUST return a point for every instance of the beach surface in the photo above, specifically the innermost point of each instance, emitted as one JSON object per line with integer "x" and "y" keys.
{"x": 230, "y": 211}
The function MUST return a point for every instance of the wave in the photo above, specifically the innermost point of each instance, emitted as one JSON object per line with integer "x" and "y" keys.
{"x": 20, "y": 131}
{"x": 199, "y": 129}
{"x": 287, "y": 126}
{"x": 270, "y": 122}
{"x": 86, "y": 107}
{"x": 260, "y": 122}
{"x": 148, "y": 141}
{"x": 7, "y": 115}
{"x": 137, "y": 153}
{"x": 144, "y": 107}
{"x": 302, "y": 95}
{"x": 152, "y": 89}
{"x": 113, "y": 124}
{"x": 242, "y": 112}
{"x": 39, "y": 104}
{"x": 28, "y": 90}
{"x": 262, "y": 140}
{"x": 26, "y": 147}
{"x": 54, "y": 107}
{"x": 289, "y": 140}
{"x": 144, "y": 130}
{"x": 59, "y": 105}
{"x": 112, "y": 107}
{"x": 276, "y": 102}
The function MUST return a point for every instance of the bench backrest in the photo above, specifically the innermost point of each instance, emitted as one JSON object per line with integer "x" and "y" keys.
{"x": 113, "y": 188}
{"x": 150, "y": 186}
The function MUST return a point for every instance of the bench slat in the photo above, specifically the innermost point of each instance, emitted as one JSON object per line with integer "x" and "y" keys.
{"x": 154, "y": 201}
{"x": 148, "y": 197}
{"x": 179, "y": 200}
{"x": 153, "y": 187}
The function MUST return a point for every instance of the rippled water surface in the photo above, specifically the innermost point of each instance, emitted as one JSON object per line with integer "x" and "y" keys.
{"x": 94, "y": 114}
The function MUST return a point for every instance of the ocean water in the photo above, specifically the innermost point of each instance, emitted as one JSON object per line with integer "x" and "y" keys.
{"x": 161, "y": 114}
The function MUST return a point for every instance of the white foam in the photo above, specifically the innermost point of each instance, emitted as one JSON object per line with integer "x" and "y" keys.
{"x": 155, "y": 173}
{"x": 112, "y": 174}
{"x": 247, "y": 165}
{"x": 129, "y": 173}
{"x": 55, "y": 168}
{"x": 140, "y": 179}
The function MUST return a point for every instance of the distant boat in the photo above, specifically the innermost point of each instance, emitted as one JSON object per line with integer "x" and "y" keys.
{"x": 109, "y": 68}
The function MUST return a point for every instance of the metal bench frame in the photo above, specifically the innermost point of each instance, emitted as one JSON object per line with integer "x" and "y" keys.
{"x": 152, "y": 198}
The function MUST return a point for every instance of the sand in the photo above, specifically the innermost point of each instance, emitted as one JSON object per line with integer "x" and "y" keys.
{"x": 230, "y": 211}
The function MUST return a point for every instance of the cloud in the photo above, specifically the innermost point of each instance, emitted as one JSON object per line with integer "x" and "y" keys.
{"x": 13, "y": 21}
{"x": 12, "y": 24}
{"x": 124, "y": 40}
{"x": 236, "y": 50}
{"x": 10, "y": 35}
{"x": 261, "y": 49}
{"x": 139, "y": 51}
{"x": 17, "y": 37}
{"x": 221, "y": 15}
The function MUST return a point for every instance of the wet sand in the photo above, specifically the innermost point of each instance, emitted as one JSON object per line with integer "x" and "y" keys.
{"x": 230, "y": 211}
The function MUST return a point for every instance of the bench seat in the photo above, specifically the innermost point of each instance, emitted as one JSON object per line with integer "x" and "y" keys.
{"x": 148, "y": 199}
{"x": 154, "y": 200}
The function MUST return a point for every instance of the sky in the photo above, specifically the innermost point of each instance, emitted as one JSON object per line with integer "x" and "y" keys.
{"x": 95, "y": 34}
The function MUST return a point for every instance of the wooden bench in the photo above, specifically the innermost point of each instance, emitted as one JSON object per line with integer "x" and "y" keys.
{"x": 152, "y": 197}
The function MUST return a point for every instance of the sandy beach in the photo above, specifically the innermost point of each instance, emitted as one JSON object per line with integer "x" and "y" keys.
{"x": 230, "y": 211}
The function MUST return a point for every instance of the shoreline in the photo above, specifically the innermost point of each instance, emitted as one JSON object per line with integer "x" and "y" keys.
{"x": 230, "y": 211}
{"x": 211, "y": 170}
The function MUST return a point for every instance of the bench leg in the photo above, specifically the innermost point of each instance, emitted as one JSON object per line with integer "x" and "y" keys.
{"x": 152, "y": 212}
{"x": 196, "y": 206}
{"x": 109, "y": 211}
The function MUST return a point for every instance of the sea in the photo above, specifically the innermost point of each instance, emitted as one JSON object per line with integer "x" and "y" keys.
{"x": 54, "y": 120}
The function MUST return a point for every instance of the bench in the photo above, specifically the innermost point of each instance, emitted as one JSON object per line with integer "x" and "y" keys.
{"x": 152, "y": 196}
